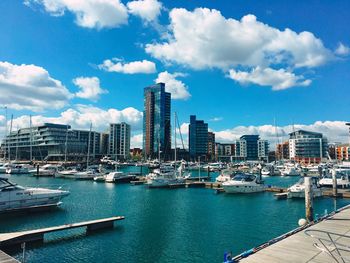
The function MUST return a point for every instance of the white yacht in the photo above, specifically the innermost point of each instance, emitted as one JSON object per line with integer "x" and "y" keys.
{"x": 166, "y": 175}
{"x": 342, "y": 180}
{"x": 89, "y": 174}
{"x": 119, "y": 177}
{"x": 100, "y": 178}
{"x": 46, "y": 170}
{"x": 213, "y": 167}
{"x": 290, "y": 171}
{"x": 243, "y": 183}
{"x": 298, "y": 190}
{"x": 14, "y": 197}
{"x": 68, "y": 173}
{"x": 225, "y": 176}
{"x": 3, "y": 167}
{"x": 163, "y": 178}
{"x": 265, "y": 172}
{"x": 17, "y": 169}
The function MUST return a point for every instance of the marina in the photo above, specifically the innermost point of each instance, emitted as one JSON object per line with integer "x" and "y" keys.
{"x": 149, "y": 218}
{"x": 174, "y": 131}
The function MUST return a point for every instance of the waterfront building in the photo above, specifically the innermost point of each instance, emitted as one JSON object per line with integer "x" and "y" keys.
{"x": 226, "y": 152}
{"x": 104, "y": 142}
{"x": 272, "y": 156}
{"x": 181, "y": 154}
{"x": 307, "y": 147}
{"x": 95, "y": 140}
{"x": 251, "y": 148}
{"x": 282, "y": 151}
{"x": 247, "y": 147}
{"x": 197, "y": 138}
{"x": 119, "y": 140}
{"x": 156, "y": 121}
{"x": 218, "y": 150}
{"x": 263, "y": 150}
{"x": 211, "y": 146}
{"x": 46, "y": 142}
{"x": 229, "y": 149}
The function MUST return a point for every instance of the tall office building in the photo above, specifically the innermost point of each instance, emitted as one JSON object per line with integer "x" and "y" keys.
{"x": 156, "y": 121}
{"x": 307, "y": 147}
{"x": 198, "y": 137}
{"x": 211, "y": 145}
{"x": 263, "y": 150}
{"x": 119, "y": 140}
{"x": 251, "y": 148}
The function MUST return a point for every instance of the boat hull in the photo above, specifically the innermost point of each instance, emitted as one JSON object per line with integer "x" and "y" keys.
{"x": 301, "y": 194}
{"x": 30, "y": 200}
{"x": 164, "y": 183}
{"x": 236, "y": 189}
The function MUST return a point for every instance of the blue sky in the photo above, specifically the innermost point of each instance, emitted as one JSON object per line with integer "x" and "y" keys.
{"x": 232, "y": 63}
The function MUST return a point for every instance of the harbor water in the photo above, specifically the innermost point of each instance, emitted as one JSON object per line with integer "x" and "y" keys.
{"x": 161, "y": 225}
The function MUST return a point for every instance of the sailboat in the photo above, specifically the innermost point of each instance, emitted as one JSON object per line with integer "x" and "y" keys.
{"x": 164, "y": 178}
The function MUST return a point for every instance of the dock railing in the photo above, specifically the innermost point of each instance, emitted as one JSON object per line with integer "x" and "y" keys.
{"x": 335, "y": 245}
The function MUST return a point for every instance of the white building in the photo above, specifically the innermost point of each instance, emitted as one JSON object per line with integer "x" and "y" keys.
{"x": 119, "y": 140}
{"x": 263, "y": 150}
{"x": 307, "y": 147}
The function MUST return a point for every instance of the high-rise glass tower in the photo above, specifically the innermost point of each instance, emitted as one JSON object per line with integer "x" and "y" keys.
{"x": 156, "y": 121}
{"x": 198, "y": 137}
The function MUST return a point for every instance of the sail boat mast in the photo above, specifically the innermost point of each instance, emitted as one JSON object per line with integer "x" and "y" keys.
{"x": 65, "y": 149}
{"x": 30, "y": 139}
{"x": 88, "y": 153}
{"x": 17, "y": 143}
{"x": 175, "y": 142}
{"x": 8, "y": 143}
{"x": 5, "y": 137}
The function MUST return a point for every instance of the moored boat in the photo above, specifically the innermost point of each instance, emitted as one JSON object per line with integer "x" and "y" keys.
{"x": 298, "y": 190}
{"x": 243, "y": 183}
{"x": 14, "y": 197}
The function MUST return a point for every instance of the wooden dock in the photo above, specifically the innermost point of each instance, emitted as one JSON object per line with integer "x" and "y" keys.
{"x": 4, "y": 258}
{"x": 300, "y": 247}
{"x": 17, "y": 238}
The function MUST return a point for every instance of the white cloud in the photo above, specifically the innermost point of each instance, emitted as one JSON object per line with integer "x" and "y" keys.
{"x": 176, "y": 87}
{"x": 116, "y": 65}
{"x": 183, "y": 129}
{"x": 81, "y": 116}
{"x": 89, "y": 88}
{"x": 136, "y": 141}
{"x": 30, "y": 87}
{"x": 88, "y": 13}
{"x": 148, "y": 10}
{"x": 204, "y": 39}
{"x": 278, "y": 79}
{"x": 342, "y": 50}
{"x": 335, "y": 131}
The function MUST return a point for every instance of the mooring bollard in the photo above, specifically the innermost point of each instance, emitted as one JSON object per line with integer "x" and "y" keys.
{"x": 309, "y": 200}
{"x": 334, "y": 177}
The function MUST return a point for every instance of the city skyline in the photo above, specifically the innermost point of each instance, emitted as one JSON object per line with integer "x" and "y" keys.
{"x": 86, "y": 66}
